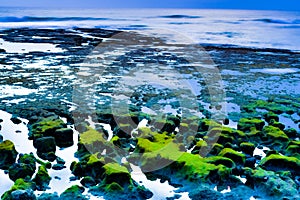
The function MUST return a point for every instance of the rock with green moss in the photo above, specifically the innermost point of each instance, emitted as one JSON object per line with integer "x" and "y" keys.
{"x": 114, "y": 172}
{"x": 271, "y": 116}
{"x": 8, "y": 154}
{"x": 271, "y": 185}
{"x": 19, "y": 185}
{"x": 123, "y": 130}
{"x": 46, "y": 127}
{"x": 218, "y": 160}
{"x": 247, "y": 148}
{"x": 291, "y": 133}
{"x": 281, "y": 163}
{"x": 42, "y": 178}
{"x": 20, "y": 170}
{"x": 206, "y": 124}
{"x": 238, "y": 158}
{"x": 25, "y": 167}
{"x": 73, "y": 192}
{"x": 275, "y": 134}
{"x": 245, "y": 124}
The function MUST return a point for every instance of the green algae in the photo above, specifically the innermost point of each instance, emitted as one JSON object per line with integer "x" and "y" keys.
{"x": 8, "y": 154}
{"x": 238, "y": 158}
{"x": 276, "y": 162}
{"x": 20, "y": 184}
{"x": 246, "y": 124}
{"x": 274, "y": 133}
{"x": 42, "y": 178}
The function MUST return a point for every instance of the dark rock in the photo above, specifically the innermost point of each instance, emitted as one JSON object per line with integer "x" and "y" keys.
{"x": 1, "y": 137}
{"x": 23, "y": 194}
{"x": 48, "y": 196}
{"x": 88, "y": 181}
{"x": 58, "y": 166}
{"x": 64, "y": 137}
{"x": 8, "y": 154}
{"x": 20, "y": 170}
{"x": 45, "y": 144}
{"x": 15, "y": 120}
{"x": 206, "y": 193}
{"x": 60, "y": 161}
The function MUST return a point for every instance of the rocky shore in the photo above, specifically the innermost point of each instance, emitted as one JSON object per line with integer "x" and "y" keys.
{"x": 238, "y": 139}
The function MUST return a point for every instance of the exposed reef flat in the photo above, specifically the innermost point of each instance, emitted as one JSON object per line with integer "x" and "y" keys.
{"x": 108, "y": 114}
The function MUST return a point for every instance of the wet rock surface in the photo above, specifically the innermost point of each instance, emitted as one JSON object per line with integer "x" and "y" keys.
{"x": 192, "y": 139}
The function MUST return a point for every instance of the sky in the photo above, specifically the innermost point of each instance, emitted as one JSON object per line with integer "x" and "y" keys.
{"x": 210, "y": 4}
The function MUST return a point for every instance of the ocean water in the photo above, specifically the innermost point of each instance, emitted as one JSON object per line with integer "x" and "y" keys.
{"x": 246, "y": 28}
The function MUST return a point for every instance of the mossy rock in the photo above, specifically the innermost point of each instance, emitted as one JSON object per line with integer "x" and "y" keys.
{"x": 94, "y": 167}
{"x": 20, "y": 170}
{"x": 201, "y": 146}
{"x": 8, "y": 154}
{"x": 92, "y": 141}
{"x": 216, "y": 149}
{"x": 207, "y": 124}
{"x": 281, "y": 163}
{"x": 247, "y": 148}
{"x": 218, "y": 160}
{"x": 195, "y": 168}
{"x": 123, "y": 130}
{"x": 28, "y": 159}
{"x": 277, "y": 124}
{"x": 274, "y": 133}
{"x": 46, "y": 127}
{"x": 270, "y": 185}
{"x": 114, "y": 172}
{"x": 291, "y": 132}
{"x": 220, "y": 134}
{"x": 20, "y": 184}
{"x": 42, "y": 178}
{"x": 271, "y": 116}
{"x": 246, "y": 124}
{"x": 113, "y": 187}
{"x": 73, "y": 192}
{"x": 238, "y": 158}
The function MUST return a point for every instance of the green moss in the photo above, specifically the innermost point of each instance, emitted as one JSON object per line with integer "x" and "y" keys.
{"x": 113, "y": 168}
{"x": 73, "y": 192}
{"x": 218, "y": 160}
{"x": 276, "y": 162}
{"x": 113, "y": 187}
{"x": 246, "y": 124}
{"x": 271, "y": 184}
{"x": 195, "y": 168}
{"x": 91, "y": 136}
{"x": 247, "y": 147}
{"x": 42, "y": 178}
{"x": 20, "y": 184}
{"x": 8, "y": 154}
{"x": 47, "y": 126}
{"x": 237, "y": 157}
{"x": 274, "y": 133}
{"x": 206, "y": 124}
{"x": 114, "y": 172}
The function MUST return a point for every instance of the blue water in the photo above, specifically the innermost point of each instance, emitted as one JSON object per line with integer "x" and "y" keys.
{"x": 257, "y": 29}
